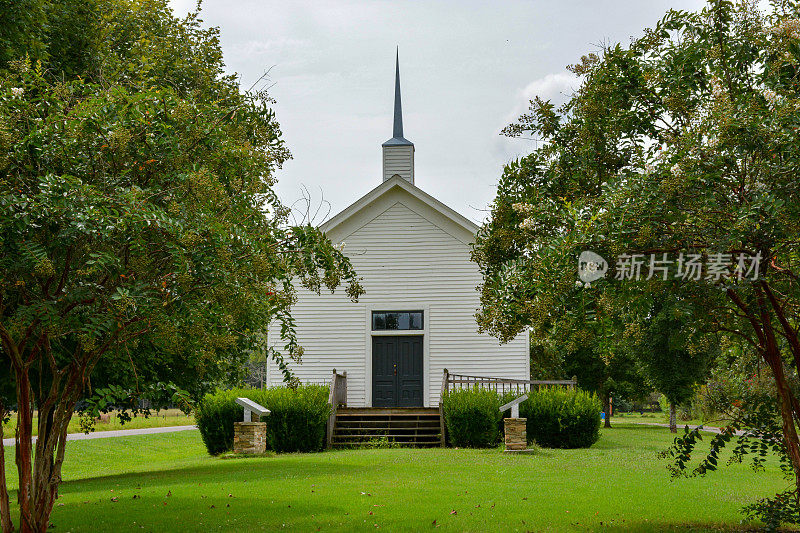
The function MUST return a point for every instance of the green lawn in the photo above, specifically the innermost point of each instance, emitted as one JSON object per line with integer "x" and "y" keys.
{"x": 663, "y": 418}
{"x": 163, "y": 418}
{"x": 166, "y": 482}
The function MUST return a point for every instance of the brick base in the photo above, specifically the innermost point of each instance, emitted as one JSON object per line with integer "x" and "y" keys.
{"x": 516, "y": 433}
{"x": 249, "y": 437}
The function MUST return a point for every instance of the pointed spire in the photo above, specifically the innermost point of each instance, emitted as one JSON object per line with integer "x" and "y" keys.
{"x": 398, "y": 152}
{"x": 397, "y": 131}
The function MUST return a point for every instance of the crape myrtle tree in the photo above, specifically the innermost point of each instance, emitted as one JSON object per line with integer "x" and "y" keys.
{"x": 141, "y": 240}
{"x": 685, "y": 141}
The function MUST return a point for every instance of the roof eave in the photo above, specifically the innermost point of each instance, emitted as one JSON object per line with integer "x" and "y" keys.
{"x": 398, "y": 141}
{"x": 412, "y": 189}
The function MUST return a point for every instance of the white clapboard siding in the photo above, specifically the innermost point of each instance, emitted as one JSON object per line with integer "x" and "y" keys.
{"x": 398, "y": 160}
{"x": 407, "y": 262}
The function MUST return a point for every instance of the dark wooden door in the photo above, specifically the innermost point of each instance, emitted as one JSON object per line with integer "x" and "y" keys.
{"x": 397, "y": 371}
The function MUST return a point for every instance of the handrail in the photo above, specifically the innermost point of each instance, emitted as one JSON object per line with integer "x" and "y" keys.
{"x": 337, "y": 397}
{"x": 500, "y": 385}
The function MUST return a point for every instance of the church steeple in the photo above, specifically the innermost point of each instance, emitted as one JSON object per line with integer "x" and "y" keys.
{"x": 397, "y": 131}
{"x": 398, "y": 152}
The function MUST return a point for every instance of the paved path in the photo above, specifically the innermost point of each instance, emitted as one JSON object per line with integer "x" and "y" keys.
{"x": 116, "y": 433}
{"x": 710, "y": 429}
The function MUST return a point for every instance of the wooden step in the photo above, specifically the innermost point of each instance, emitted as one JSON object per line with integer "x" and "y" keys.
{"x": 361, "y": 426}
{"x": 360, "y": 444}
{"x": 382, "y": 430}
{"x": 394, "y": 435}
{"x": 395, "y": 411}
{"x": 378, "y": 426}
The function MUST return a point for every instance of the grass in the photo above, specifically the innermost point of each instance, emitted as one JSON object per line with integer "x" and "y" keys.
{"x": 163, "y": 418}
{"x": 663, "y": 418}
{"x": 166, "y": 482}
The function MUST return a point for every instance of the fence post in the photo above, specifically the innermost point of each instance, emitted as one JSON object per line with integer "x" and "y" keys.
{"x": 445, "y": 385}
{"x": 333, "y": 406}
{"x": 343, "y": 389}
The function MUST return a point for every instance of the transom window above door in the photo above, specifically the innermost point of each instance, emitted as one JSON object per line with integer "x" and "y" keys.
{"x": 397, "y": 320}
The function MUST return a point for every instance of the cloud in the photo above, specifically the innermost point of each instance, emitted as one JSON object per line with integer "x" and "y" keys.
{"x": 467, "y": 69}
{"x": 556, "y": 87}
{"x": 181, "y": 7}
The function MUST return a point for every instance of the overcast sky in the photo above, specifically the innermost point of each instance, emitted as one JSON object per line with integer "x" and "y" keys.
{"x": 467, "y": 69}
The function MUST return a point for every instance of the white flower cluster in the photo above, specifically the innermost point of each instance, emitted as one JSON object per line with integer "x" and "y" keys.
{"x": 716, "y": 87}
{"x": 770, "y": 96}
{"x": 522, "y": 208}
{"x": 528, "y": 224}
{"x": 676, "y": 170}
{"x": 789, "y": 27}
{"x": 17, "y": 91}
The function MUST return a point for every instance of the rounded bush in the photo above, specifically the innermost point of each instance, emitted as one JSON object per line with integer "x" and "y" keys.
{"x": 215, "y": 415}
{"x": 562, "y": 418}
{"x": 472, "y": 417}
{"x": 297, "y": 421}
{"x": 298, "y": 418}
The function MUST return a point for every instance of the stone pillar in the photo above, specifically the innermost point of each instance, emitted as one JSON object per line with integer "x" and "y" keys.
{"x": 516, "y": 433}
{"x": 249, "y": 437}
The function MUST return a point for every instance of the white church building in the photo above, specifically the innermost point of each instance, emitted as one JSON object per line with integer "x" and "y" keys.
{"x": 417, "y": 317}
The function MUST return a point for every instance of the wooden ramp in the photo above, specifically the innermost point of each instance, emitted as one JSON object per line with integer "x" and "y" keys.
{"x": 416, "y": 426}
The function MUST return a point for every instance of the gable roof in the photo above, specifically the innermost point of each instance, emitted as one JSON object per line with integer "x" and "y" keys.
{"x": 398, "y": 190}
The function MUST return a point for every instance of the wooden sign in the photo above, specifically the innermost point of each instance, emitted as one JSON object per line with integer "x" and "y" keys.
{"x": 251, "y": 407}
{"x": 514, "y": 406}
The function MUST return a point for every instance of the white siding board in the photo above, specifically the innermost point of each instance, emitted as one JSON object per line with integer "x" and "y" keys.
{"x": 398, "y": 160}
{"x": 404, "y": 258}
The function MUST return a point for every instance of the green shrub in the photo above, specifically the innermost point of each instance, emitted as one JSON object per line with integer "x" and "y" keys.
{"x": 298, "y": 418}
{"x": 562, "y": 418}
{"x": 215, "y": 415}
{"x": 297, "y": 421}
{"x": 472, "y": 417}
{"x": 622, "y": 405}
{"x": 504, "y": 399}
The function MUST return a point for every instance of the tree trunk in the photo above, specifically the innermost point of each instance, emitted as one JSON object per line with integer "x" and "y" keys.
{"x": 607, "y": 410}
{"x": 786, "y": 401}
{"x": 673, "y": 426}
{"x": 24, "y": 451}
{"x": 50, "y": 449}
{"x": 5, "y": 512}
{"x": 40, "y": 474}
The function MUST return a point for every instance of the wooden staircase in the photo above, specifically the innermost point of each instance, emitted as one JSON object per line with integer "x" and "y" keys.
{"x": 416, "y": 426}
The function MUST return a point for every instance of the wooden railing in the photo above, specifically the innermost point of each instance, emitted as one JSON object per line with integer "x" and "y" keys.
{"x": 322, "y": 382}
{"x": 499, "y": 385}
{"x": 336, "y": 398}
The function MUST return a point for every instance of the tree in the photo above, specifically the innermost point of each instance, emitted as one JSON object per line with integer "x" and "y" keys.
{"x": 683, "y": 143}
{"x": 661, "y": 346}
{"x": 598, "y": 359}
{"x": 606, "y": 374}
{"x": 140, "y": 238}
